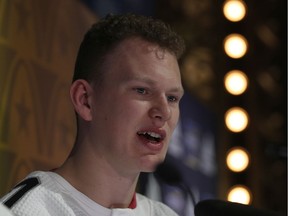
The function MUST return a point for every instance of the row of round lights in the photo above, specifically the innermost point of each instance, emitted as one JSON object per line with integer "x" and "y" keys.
{"x": 236, "y": 83}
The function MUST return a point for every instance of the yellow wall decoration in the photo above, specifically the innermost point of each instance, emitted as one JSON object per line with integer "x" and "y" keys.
{"x": 38, "y": 46}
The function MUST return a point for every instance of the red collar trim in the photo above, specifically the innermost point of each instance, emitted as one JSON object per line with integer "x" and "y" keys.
{"x": 133, "y": 203}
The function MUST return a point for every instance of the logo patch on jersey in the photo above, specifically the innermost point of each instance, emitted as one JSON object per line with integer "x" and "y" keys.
{"x": 21, "y": 189}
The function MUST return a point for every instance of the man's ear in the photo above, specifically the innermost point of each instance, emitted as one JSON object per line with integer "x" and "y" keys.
{"x": 80, "y": 94}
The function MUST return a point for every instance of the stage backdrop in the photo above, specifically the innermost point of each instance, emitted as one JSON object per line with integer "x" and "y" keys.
{"x": 38, "y": 45}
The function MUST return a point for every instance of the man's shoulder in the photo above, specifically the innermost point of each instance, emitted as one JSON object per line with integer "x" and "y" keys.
{"x": 26, "y": 187}
{"x": 155, "y": 207}
{"x": 34, "y": 194}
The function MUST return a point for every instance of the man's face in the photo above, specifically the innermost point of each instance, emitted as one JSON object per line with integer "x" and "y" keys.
{"x": 137, "y": 106}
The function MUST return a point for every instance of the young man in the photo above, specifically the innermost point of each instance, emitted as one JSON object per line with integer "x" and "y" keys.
{"x": 126, "y": 90}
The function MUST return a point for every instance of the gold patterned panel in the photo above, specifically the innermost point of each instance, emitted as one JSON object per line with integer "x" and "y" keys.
{"x": 38, "y": 45}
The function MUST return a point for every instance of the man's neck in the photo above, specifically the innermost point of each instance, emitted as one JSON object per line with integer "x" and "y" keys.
{"x": 99, "y": 181}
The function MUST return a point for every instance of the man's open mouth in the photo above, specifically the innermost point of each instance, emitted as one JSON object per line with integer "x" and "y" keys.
{"x": 151, "y": 136}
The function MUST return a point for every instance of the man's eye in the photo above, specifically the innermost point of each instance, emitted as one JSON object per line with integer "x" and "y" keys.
{"x": 141, "y": 90}
{"x": 172, "y": 98}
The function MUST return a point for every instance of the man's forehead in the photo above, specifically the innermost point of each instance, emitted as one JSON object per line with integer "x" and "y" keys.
{"x": 141, "y": 45}
{"x": 134, "y": 40}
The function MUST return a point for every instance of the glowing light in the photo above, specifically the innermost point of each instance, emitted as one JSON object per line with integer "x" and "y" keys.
{"x": 240, "y": 194}
{"x": 235, "y": 46}
{"x": 236, "y": 82}
{"x": 237, "y": 159}
{"x": 234, "y": 10}
{"x": 236, "y": 119}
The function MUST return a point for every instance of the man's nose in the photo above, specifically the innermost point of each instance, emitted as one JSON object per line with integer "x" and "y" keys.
{"x": 160, "y": 110}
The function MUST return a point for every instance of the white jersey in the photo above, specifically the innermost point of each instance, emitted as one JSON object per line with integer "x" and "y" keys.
{"x": 47, "y": 193}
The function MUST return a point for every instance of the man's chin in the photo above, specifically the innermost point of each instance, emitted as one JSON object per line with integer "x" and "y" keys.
{"x": 152, "y": 166}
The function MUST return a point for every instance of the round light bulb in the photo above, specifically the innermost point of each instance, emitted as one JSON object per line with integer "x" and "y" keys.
{"x": 234, "y": 10}
{"x": 237, "y": 159}
{"x": 235, "y": 46}
{"x": 236, "y": 82}
{"x": 239, "y": 194}
{"x": 236, "y": 119}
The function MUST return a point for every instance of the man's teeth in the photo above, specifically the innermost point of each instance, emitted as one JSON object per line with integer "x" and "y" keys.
{"x": 152, "y": 134}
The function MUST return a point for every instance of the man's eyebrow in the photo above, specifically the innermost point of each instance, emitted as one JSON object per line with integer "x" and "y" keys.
{"x": 179, "y": 90}
{"x": 139, "y": 79}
